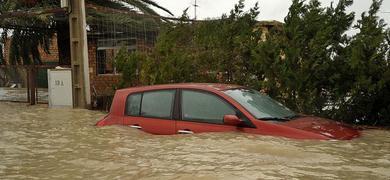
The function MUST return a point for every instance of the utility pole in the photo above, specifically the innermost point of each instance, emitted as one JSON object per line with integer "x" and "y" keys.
{"x": 195, "y": 8}
{"x": 79, "y": 55}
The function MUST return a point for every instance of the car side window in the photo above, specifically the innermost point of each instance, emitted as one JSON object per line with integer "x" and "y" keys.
{"x": 204, "y": 107}
{"x": 158, "y": 104}
{"x": 133, "y": 104}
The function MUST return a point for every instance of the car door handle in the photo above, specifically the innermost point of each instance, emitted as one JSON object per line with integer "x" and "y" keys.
{"x": 136, "y": 126}
{"x": 185, "y": 132}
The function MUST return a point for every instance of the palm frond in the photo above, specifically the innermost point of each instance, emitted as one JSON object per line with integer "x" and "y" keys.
{"x": 109, "y": 4}
{"x": 143, "y": 7}
{"x": 154, "y": 4}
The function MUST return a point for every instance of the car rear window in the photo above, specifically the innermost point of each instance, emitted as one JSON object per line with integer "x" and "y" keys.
{"x": 133, "y": 107}
{"x": 154, "y": 104}
{"x": 158, "y": 104}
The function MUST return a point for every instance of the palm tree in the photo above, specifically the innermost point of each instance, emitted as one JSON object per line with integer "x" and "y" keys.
{"x": 29, "y": 33}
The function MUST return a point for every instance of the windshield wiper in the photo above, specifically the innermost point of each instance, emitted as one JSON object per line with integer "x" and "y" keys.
{"x": 274, "y": 119}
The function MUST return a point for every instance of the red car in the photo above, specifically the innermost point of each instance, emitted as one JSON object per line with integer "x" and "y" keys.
{"x": 197, "y": 108}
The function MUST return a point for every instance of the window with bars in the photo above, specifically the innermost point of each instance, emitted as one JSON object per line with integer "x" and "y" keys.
{"x": 107, "y": 50}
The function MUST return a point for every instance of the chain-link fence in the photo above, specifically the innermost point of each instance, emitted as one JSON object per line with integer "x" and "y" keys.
{"x": 109, "y": 29}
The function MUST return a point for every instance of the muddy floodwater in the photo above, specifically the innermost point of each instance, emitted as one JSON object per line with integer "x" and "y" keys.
{"x": 41, "y": 143}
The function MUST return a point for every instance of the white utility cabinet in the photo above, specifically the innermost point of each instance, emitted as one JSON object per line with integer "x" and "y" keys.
{"x": 64, "y": 3}
{"x": 60, "y": 88}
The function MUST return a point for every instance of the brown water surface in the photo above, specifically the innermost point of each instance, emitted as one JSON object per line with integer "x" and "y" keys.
{"x": 41, "y": 143}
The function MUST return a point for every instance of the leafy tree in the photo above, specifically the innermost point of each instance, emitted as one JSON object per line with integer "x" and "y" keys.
{"x": 174, "y": 53}
{"x": 205, "y": 51}
{"x": 229, "y": 41}
{"x": 368, "y": 100}
{"x": 299, "y": 64}
{"x": 128, "y": 64}
{"x": 315, "y": 68}
{"x": 210, "y": 51}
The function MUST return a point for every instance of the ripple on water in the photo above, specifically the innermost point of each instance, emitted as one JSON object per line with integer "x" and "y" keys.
{"x": 41, "y": 143}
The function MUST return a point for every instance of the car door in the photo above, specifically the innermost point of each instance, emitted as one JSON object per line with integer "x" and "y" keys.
{"x": 202, "y": 111}
{"x": 151, "y": 111}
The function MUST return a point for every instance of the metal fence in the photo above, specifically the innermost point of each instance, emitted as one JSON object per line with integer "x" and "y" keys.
{"x": 22, "y": 83}
{"x": 13, "y": 84}
{"x": 108, "y": 30}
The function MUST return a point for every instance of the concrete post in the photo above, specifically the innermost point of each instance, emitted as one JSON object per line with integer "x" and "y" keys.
{"x": 79, "y": 55}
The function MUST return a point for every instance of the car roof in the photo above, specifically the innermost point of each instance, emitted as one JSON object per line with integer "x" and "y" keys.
{"x": 203, "y": 86}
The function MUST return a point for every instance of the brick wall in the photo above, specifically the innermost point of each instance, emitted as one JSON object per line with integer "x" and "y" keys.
{"x": 45, "y": 57}
{"x": 53, "y": 56}
{"x": 102, "y": 84}
{"x": 6, "y": 51}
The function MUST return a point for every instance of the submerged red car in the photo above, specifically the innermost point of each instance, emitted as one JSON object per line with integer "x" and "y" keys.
{"x": 197, "y": 108}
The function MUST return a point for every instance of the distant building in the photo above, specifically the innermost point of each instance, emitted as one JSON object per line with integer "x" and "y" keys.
{"x": 267, "y": 26}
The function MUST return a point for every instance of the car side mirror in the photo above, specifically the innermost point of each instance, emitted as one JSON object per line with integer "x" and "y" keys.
{"x": 231, "y": 120}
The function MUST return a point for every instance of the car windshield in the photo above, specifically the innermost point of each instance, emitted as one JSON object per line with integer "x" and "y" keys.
{"x": 261, "y": 106}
